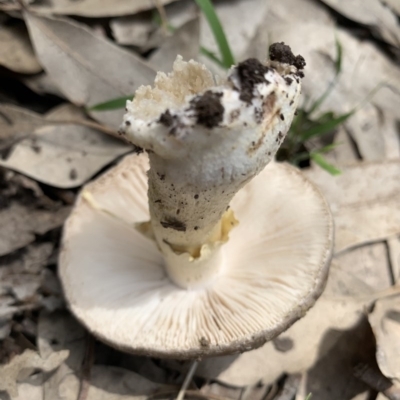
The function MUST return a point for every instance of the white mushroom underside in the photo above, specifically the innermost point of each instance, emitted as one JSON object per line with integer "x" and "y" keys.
{"x": 275, "y": 259}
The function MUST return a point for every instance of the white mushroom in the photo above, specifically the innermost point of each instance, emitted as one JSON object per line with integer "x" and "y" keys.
{"x": 165, "y": 267}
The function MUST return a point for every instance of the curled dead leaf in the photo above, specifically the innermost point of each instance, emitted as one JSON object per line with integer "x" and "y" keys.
{"x": 22, "y": 365}
{"x": 16, "y": 51}
{"x": 385, "y": 322}
{"x": 54, "y": 151}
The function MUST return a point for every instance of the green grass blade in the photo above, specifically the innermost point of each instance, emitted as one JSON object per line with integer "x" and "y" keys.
{"x": 325, "y": 127}
{"x": 309, "y": 396}
{"x": 157, "y": 20}
{"x": 304, "y": 155}
{"x": 208, "y": 9}
{"x": 328, "y": 148}
{"x": 320, "y": 160}
{"x": 339, "y": 56}
{"x": 113, "y": 104}
{"x": 338, "y": 69}
{"x": 211, "y": 55}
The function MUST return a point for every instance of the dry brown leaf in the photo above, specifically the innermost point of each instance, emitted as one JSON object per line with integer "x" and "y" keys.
{"x": 42, "y": 84}
{"x": 65, "y": 112}
{"x": 5, "y": 326}
{"x": 290, "y": 387}
{"x": 20, "y": 281}
{"x": 141, "y": 30}
{"x": 96, "y": 8}
{"x": 31, "y": 389}
{"x": 370, "y": 12}
{"x": 394, "y": 5}
{"x": 62, "y": 155}
{"x": 391, "y": 137}
{"x": 375, "y": 133}
{"x": 136, "y": 30}
{"x": 20, "y": 224}
{"x": 180, "y": 12}
{"x": 256, "y": 392}
{"x": 221, "y": 391}
{"x": 6, "y": 308}
{"x": 364, "y": 201}
{"x": 184, "y": 42}
{"x": 370, "y": 263}
{"x": 22, "y": 365}
{"x": 16, "y": 51}
{"x": 344, "y": 153}
{"x": 59, "y": 331}
{"x": 385, "y": 322}
{"x": 281, "y": 13}
{"x": 16, "y": 123}
{"x": 366, "y": 395}
{"x": 112, "y": 383}
{"x": 364, "y": 127}
{"x": 88, "y": 69}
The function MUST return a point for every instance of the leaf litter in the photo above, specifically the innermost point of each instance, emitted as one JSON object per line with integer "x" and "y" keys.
{"x": 184, "y": 41}
{"x": 147, "y": 30}
{"x": 21, "y": 223}
{"x": 63, "y": 155}
{"x": 88, "y": 69}
{"x": 367, "y": 75}
{"x": 373, "y": 13}
{"x": 16, "y": 52}
{"x": 95, "y": 8}
{"x": 331, "y": 352}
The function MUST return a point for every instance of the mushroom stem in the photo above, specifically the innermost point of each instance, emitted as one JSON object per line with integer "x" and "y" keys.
{"x": 205, "y": 143}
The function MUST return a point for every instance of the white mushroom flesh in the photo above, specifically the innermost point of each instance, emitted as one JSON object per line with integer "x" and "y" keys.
{"x": 205, "y": 143}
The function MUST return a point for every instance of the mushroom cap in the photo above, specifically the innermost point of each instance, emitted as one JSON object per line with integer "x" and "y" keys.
{"x": 275, "y": 266}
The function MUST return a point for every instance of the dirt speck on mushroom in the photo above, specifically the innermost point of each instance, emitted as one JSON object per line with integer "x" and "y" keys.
{"x": 208, "y": 109}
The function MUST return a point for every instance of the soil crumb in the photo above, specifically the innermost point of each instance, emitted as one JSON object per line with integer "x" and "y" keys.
{"x": 166, "y": 119}
{"x": 251, "y": 72}
{"x": 208, "y": 108}
{"x": 283, "y": 53}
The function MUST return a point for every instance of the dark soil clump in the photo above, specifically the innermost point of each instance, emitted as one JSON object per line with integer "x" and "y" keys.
{"x": 208, "y": 108}
{"x": 251, "y": 72}
{"x": 283, "y": 53}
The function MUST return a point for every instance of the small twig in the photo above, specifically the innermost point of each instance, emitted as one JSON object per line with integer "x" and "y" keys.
{"x": 272, "y": 392}
{"x": 86, "y": 369}
{"x": 374, "y": 378}
{"x": 187, "y": 380}
{"x": 191, "y": 393}
{"x": 290, "y": 387}
{"x": 163, "y": 16}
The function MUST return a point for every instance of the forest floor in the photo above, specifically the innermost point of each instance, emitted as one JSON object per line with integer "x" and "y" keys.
{"x": 58, "y": 59}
